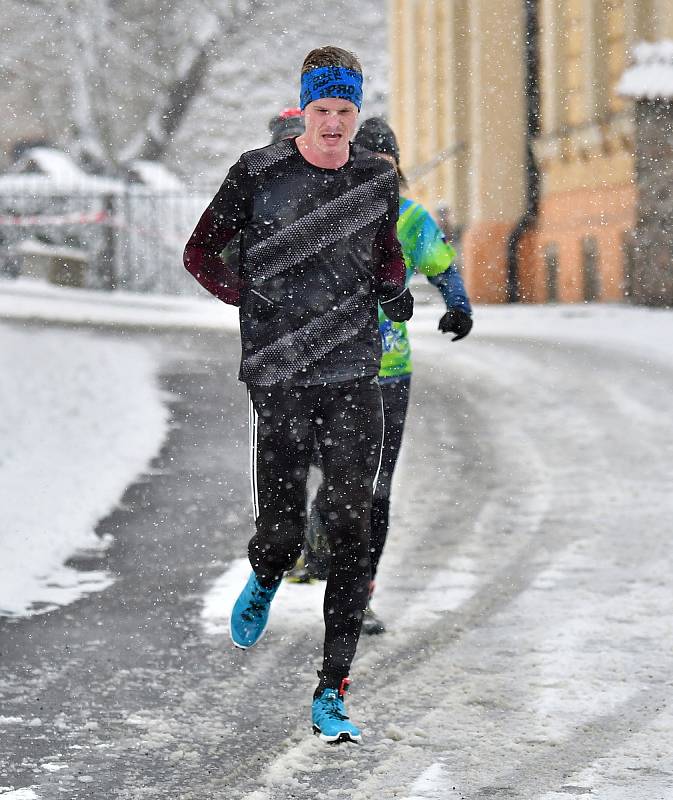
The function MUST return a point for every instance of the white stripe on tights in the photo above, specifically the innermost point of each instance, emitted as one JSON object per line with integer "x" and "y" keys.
{"x": 383, "y": 430}
{"x": 252, "y": 427}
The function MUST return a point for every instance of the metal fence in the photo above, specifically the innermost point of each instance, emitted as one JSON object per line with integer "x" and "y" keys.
{"x": 130, "y": 239}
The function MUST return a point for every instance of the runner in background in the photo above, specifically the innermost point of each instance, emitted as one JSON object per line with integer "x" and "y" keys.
{"x": 427, "y": 252}
{"x": 286, "y": 125}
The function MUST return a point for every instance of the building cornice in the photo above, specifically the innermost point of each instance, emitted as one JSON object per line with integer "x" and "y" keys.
{"x": 583, "y": 142}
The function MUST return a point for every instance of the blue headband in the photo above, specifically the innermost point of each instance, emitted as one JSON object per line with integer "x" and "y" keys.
{"x": 322, "y": 82}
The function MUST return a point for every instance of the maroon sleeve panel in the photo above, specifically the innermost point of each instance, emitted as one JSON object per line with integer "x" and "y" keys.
{"x": 227, "y": 213}
{"x": 389, "y": 265}
{"x": 202, "y": 258}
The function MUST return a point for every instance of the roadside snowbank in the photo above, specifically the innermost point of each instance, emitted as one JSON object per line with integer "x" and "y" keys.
{"x": 80, "y": 417}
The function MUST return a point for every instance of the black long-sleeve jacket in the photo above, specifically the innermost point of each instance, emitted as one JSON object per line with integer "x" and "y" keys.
{"x": 318, "y": 250}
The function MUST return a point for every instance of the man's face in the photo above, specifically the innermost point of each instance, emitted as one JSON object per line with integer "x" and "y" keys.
{"x": 330, "y": 124}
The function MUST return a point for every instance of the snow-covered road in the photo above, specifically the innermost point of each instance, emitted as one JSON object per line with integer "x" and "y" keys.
{"x": 526, "y": 585}
{"x": 529, "y": 579}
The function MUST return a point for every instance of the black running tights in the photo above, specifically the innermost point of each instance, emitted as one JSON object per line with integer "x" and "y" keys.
{"x": 346, "y": 421}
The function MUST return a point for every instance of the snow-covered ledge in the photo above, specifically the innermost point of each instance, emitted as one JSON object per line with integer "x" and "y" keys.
{"x": 650, "y": 76}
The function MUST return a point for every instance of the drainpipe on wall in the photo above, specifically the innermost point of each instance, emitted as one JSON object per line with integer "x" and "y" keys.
{"x": 532, "y": 99}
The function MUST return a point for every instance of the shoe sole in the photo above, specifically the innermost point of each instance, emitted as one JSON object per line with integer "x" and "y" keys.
{"x": 245, "y": 646}
{"x": 344, "y": 736}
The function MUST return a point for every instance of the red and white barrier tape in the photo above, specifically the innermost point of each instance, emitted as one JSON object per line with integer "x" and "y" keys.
{"x": 91, "y": 218}
{"x": 77, "y": 218}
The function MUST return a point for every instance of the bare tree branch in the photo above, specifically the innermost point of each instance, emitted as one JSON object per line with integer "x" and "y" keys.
{"x": 111, "y": 80}
{"x": 166, "y": 118}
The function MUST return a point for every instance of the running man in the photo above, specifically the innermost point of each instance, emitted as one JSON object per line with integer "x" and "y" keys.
{"x": 318, "y": 252}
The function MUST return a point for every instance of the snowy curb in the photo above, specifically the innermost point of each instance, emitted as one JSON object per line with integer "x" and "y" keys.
{"x": 35, "y": 301}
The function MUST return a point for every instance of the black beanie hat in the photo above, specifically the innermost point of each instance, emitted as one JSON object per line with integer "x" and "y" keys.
{"x": 286, "y": 125}
{"x": 376, "y": 135}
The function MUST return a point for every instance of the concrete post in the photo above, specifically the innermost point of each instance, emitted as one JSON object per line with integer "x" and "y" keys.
{"x": 650, "y": 82}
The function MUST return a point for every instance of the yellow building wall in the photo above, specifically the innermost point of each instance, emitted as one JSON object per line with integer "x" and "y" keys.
{"x": 457, "y": 107}
{"x": 457, "y": 104}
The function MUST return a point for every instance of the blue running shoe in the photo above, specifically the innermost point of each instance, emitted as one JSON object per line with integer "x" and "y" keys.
{"x": 250, "y": 613}
{"x": 330, "y": 719}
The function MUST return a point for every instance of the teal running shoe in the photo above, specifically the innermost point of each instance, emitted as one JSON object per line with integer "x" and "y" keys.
{"x": 250, "y": 613}
{"x": 330, "y": 719}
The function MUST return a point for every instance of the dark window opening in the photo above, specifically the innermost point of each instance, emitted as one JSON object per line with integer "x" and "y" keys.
{"x": 551, "y": 262}
{"x": 628, "y": 264}
{"x": 590, "y": 269}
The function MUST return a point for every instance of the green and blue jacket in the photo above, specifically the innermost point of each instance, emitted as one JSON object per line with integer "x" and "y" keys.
{"x": 427, "y": 252}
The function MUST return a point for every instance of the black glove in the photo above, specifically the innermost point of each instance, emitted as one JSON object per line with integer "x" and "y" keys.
{"x": 397, "y": 305}
{"x": 456, "y": 321}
